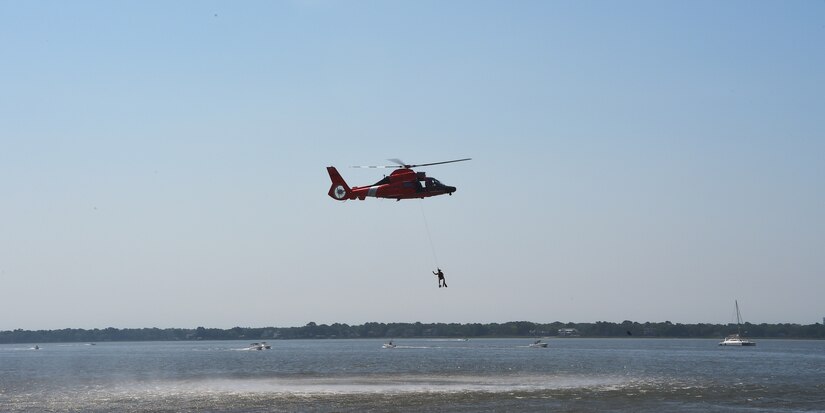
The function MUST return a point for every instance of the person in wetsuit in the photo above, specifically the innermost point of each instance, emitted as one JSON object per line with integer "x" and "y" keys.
{"x": 441, "y": 279}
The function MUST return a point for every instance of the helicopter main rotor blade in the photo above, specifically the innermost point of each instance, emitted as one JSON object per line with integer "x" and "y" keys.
{"x": 401, "y": 164}
{"x": 377, "y": 166}
{"x": 437, "y": 163}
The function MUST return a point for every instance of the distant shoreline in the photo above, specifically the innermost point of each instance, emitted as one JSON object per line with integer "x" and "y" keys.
{"x": 513, "y": 329}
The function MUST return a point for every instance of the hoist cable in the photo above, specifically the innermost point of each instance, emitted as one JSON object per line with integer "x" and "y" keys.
{"x": 429, "y": 237}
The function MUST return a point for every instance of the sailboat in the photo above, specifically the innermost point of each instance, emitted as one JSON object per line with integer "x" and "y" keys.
{"x": 737, "y": 339}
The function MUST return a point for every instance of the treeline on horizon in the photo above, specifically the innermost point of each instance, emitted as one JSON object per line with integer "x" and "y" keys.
{"x": 419, "y": 330}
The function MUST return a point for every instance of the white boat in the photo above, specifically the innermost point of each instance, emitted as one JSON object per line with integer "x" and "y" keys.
{"x": 538, "y": 344}
{"x": 737, "y": 339}
{"x": 260, "y": 346}
{"x": 389, "y": 344}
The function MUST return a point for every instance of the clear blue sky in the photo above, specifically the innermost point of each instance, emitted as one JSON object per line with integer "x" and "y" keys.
{"x": 163, "y": 163}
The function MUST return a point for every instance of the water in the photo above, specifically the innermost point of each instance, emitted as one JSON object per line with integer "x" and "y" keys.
{"x": 480, "y": 375}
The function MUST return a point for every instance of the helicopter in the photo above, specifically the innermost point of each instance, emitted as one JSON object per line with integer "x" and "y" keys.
{"x": 403, "y": 183}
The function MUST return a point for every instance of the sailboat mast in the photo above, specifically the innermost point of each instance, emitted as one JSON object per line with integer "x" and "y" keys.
{"x": 738, "y": 318}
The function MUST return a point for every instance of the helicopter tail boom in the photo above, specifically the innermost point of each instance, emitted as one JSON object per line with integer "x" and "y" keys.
{"x": 339, "y": 190}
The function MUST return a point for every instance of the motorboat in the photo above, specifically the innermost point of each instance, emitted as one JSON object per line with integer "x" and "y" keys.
{"x": 260, "y": 346}
{"x": 538, "y": 344}
{"x": 388, "y": 344}
{"x": 737, "y": 339}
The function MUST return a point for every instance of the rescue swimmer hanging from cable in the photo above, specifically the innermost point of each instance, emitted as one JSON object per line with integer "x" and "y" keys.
{"x": 401, "y": 184}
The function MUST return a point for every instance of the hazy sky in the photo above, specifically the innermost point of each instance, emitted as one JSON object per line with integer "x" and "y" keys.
{"x": 162, "y": 164}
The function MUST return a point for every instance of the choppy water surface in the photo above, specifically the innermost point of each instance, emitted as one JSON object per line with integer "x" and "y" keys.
{"x": 572, "y": 374}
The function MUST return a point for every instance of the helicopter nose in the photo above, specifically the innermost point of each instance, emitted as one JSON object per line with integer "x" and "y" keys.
{"x": 450, "y": 190}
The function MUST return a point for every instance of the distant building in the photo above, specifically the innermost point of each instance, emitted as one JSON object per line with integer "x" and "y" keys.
{"x": 568, "y": 332}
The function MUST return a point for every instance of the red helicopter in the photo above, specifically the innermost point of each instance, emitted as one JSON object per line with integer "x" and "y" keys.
{"x": 401, "y": 184}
